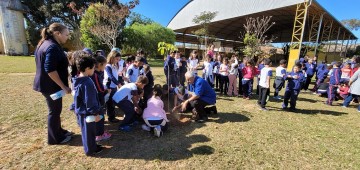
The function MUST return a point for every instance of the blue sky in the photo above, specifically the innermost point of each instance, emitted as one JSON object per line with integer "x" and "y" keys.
{"x": 162, "y": 11}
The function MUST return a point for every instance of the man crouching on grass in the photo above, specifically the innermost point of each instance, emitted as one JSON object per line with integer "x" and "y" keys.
{"x": 203, "y": 95}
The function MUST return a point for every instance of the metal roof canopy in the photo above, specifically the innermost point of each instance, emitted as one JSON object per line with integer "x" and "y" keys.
{"x": 232, "y": 15}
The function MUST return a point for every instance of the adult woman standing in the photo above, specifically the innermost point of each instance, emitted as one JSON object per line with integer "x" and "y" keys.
{"x": 52, "y": 76}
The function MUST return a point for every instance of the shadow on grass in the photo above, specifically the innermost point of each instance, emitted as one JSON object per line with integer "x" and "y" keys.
{"x": 224, "y": 98}
{"x": 228, "y": 117}
{"x": 175, "y": 144}
{"x": 325, "y": 112}
{"x": 306, "y": 100}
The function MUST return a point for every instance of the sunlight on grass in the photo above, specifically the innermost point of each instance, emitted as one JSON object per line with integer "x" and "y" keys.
{"x": 239, "y": 137}
{"x": 17, "y": 64}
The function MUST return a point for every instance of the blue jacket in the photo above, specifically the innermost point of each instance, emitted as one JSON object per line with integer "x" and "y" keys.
{"x": 170, "y": 61}
{"x": 202, "y": 88}
{"x": 241, "y": 66}
{"x": 49, "y": 57}
{"x": 335, "y": 76}
{"x": 86, "y": 98}
{"x": 322, "y": 74}
{"x": 295, "y": 84}
{"x": 310, "y": 69}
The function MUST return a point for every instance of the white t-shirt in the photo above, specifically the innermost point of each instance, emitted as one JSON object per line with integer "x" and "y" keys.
{"x": 132, "y": 73}
{"x": 233, "y": 70}
{"x": 124, "y": 91}
{"x": 266, "y": 71}
{"x": 224, "y": 70}
{"x": 177, "y": 63}
{"x": 208, "y": 67}
{"x": 193, "y": 65}
{"x": 114, "y": 72}
{"x": 121, "y": 66}
{"x": 280, "y": 71}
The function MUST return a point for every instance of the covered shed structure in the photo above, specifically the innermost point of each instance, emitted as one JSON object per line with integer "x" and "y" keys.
{"x": 296, "y": 21}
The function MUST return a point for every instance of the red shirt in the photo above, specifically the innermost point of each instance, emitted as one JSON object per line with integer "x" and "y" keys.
{"x": 249, "y": 72}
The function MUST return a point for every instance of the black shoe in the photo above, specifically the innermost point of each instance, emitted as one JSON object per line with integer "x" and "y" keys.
{"x": 113, "y": 120}
{"x": 292, "y": 110}
{"x": 98, "y": 150}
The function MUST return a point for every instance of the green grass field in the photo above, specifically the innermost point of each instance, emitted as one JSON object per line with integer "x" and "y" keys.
{"x": 240, "y": 137}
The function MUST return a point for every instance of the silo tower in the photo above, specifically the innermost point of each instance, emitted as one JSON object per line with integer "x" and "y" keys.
{"x": 12, "y": 35}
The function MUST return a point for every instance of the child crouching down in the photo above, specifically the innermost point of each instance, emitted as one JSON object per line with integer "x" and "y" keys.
{"x": 127, "y": 99}
{"x": 181, "y": 94}
{"x": 87, "y": 104}
{"x": 154, "y": 115}
{"x": 343, "y": 90}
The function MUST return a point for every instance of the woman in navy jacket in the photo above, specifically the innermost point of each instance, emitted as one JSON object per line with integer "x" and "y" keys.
{"x": 52, "y": 76}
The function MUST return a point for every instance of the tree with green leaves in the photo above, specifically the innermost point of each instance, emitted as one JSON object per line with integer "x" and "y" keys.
{"x": 204, "y": 20}
{"x": 138, "y": 18}
{"x": 146, "y": 36}
{"x": 104, "y": 22}
{"x": 42, "y": 13}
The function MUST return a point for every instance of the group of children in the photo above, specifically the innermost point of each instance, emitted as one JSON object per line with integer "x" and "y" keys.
{"x": 99, "y": 84}
{"x": 222, "y": 73}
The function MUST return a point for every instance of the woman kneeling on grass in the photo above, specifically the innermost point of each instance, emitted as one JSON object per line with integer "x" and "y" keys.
{"x": 154, "y": 115}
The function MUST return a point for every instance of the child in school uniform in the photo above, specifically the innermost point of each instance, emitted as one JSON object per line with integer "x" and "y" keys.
{"x": 334, "y": 83}
{"x": 181, "y": 94}
{"x": 148, "y": 88}
{"x": 121, "y": 71}
{"x": 242, "y": 65}
{"x": 248, "y": 72}
{"x": 280, "y": 79}
{"x": 133, "y": 72}
{"x": 98, "y": 78}
{"x": 232, "y": 77}
{"x": 260, "y": 66}
{"x": 127, "y": 99}
{"x": 111, "y": 82}
{"x": 323, "y": 88}
{"x": 321, "y": 74}
{"x": 346, "y": 73}
{"x": 154, "y": 115}
{"x": 208, "y": 70}
{"x": 264, "y": 84}
{"x": 310, "y": 69}
{"x": 293, "y": 87}
{"x": 217, "y": 64}
{"x": 183, "y": 70}
{"x": 224, "y": 79}
{"x": 344, "y": 90}
{"x": 87, "y": 104}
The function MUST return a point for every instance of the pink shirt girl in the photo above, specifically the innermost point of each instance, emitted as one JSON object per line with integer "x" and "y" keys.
{"x": 155, "y": 109}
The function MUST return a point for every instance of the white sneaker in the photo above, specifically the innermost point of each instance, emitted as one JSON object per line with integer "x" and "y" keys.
{"x": 145, "y": 127}
{"x": 157, "y": 131}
